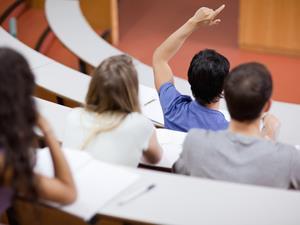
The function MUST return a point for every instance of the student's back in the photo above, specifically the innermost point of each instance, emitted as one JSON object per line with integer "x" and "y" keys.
{"x": 232, "y": 157}
{"x": 122, "y": 145}
{"x": 244, "y": 153}
{"x": 110, "y": 126}
{"x": 206, "y": 75}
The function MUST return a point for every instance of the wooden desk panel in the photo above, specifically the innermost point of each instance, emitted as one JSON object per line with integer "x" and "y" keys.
{"x": 270, "y": 26}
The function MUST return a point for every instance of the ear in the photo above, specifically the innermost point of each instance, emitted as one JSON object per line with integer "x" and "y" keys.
{"x": 267, "y": 106}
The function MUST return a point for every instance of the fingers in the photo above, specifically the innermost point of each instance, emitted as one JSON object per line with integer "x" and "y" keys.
{"x": 218, "y": 10}
{"x": 215, "y": 22}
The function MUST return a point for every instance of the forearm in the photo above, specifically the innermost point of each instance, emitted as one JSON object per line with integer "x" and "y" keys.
{"x": 173, "y": 43}
{"x": 61, "y": 169}
{"x": 162, "y": 71}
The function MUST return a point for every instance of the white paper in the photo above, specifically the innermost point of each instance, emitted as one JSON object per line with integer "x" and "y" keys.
{"x": 153, "y": 111}
{"x": 76, "y": 159}
{"x": 147, "y": 94}
{"x": 97, "y": 183}
{"x": 171, "y": 143}
{"x": 226, "y": 114}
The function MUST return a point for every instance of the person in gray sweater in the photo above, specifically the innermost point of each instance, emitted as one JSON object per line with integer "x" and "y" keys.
{"x": 243, "y": 153}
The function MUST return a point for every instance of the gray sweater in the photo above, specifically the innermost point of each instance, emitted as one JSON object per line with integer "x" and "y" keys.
{"x": 232, "y": 157}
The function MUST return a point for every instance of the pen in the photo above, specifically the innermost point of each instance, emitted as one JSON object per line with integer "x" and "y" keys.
{"x": 147, "y": 103}
{"x": 136, "y": 194}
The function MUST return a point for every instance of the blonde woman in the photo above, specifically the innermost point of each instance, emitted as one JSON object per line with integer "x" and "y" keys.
{"x": 110, "y": 126}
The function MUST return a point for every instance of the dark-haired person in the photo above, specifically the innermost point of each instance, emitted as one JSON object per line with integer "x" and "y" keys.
{"x": 18, "y": 117}
{"x": 206, "y": 75}
{"x": 111, "y": 127}
{"x": 240, "y": 154}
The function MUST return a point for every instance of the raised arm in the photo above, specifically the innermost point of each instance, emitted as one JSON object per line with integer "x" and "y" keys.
{"x": 61, "y": 188}
{"x": 162, "y": 71}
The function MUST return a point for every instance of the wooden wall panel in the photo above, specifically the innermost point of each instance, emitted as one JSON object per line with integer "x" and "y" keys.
{"x": 270, "y": 26}
{"x": 102, "y": 14}
{"x": 38, "y": 4}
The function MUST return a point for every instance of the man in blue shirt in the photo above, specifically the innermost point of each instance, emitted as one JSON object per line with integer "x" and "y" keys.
{"x": 206, "y": 75}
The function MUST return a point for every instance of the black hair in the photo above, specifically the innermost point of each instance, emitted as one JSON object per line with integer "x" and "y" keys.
{"x": 206, "y": 76}
{"x": 18, "y": 117}
{"x": 247, "y": 89}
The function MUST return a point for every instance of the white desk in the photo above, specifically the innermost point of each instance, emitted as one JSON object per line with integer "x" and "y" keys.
{"x": 185, "y": 200}
{"x": 70, "y": 83}
{"x": 89, "y": 46}
{"x": 75, "y": 33}
{"x": 289, "y": 116}
{"x": 63, "y": 81}
{"x": 34, "y": 58}
{"x": 73, "y": 85}
{"x": 55, "y": 114}
{"x": 175, "y": 199}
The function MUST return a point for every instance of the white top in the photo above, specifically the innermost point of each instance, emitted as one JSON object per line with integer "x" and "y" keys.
{"x": 123, "y": 145}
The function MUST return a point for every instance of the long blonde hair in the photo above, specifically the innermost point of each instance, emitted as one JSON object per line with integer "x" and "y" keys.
{"x": 113, "y": 93}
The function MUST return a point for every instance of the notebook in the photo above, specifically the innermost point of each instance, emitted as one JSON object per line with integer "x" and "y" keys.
{"x": 96, "y": 182}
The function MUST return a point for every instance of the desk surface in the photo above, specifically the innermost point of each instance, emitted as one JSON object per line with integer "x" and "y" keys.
{"x": 175, "y": 199}
{"x": 69, "y": 83}
{"x": 55, "y": 114}
{"x": 34, "y": 58}
{"x": 89, "y": 46}
{"x": 185, "y": 200}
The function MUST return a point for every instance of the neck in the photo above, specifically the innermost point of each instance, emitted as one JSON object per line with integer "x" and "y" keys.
{"x": 245, "y": 128}
{"x": 214, "y": 106}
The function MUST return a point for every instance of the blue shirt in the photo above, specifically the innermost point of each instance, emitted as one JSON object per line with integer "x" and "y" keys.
{"x": 182, "y": 113}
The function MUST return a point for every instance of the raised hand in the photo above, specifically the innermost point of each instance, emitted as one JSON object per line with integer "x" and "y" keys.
{"x": 207, "y": 16}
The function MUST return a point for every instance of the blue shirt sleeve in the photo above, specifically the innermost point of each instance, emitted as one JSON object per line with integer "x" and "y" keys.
{"x": 170, "y": 99}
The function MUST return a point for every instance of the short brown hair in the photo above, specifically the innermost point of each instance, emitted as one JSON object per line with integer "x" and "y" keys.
{"x": 114, "y": 87}
{"x": 247, "y": 89}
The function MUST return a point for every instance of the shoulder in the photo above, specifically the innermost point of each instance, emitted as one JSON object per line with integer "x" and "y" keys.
{"x": 196, "y": 133}
{"x": 75, "y": 113}
{"x": 79, "y": 114}
{"x": 197, "y": 137}
{"x": 286, "y": 148}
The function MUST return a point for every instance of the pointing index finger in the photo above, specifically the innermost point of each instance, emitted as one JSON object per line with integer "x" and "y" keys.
{"x": 218, "y": 10}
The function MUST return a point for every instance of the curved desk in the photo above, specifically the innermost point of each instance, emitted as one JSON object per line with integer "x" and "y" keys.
{"x": 179, "y": 200}
{"x": 77, "y": 35}
{"x": 34, "y": 58}
{"x": 174, "y": 200}
{"x": 71, "y": 84}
